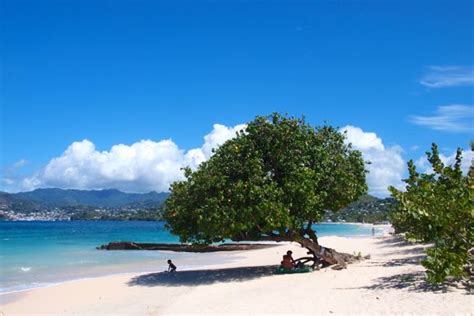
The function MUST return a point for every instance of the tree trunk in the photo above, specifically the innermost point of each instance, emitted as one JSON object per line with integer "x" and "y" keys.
{"x": 327, "y": 255}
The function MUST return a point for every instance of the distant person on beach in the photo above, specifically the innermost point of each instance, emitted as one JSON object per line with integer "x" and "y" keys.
{"x": 171, "y": 266}
{"x": 373, "y": 231}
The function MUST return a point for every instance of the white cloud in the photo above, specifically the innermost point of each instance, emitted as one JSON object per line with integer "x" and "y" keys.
{"x": 11, "y": 175}
{"x": 143, "y": 166}
{"x": 218, "y": 136}
{"x": 7, "y": 181}
{"x": 20, "y": 163}
{"x": 153, "y": 165}
{"x": 424, "y": 166}
{"x": 448, "y": 76}
{"x": 386, "y": 163}
{"x": 362, "y": 140}
{"x": 451, "y": 118}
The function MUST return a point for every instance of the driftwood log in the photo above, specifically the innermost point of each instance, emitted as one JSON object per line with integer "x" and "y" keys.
{"x": 129, "y": 245}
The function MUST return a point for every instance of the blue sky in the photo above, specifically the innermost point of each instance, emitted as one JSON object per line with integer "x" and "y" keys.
{"x": 119, "y": 72}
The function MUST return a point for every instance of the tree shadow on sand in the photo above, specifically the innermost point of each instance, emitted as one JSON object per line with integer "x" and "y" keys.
{"x": 202, "y": 277}
{"x": 413, "y": 250}
{"x": 397, "y": 241}
{"x": 391, "y": 240}
{"x": 415, "y": 282}
{"x": 413, "y": 260}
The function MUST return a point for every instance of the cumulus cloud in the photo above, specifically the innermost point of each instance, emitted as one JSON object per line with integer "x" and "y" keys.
{"x": 386, "y": 163}
{"x": 150, "y": 165}
{"x": 451, "y": 118}
{"x": 218, "y": 136}
{"x": 424, "y": 166}
{"x": 143, "y": 166}
{"x": 363, "y": 140}
{"x": 448, "y": 76}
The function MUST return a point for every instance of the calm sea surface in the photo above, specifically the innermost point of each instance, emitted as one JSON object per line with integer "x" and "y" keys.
{"x": 34, "y": 254}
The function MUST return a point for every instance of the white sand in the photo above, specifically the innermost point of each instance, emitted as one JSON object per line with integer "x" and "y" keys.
{"x": 391, "y": 282}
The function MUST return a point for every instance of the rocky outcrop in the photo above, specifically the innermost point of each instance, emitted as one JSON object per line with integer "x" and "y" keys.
{"x": 128, "y": 245}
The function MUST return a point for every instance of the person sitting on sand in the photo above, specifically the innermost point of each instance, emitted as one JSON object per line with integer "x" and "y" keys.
{"x": 289, "y": 253}
{"x": 171, "y": 267}
{"x": 288, "y": 261}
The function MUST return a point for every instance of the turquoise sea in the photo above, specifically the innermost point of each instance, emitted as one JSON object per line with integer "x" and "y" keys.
{"x": 35, "y": 254}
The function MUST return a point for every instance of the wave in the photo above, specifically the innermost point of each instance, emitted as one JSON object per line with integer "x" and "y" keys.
{"x": 25, "y": 269}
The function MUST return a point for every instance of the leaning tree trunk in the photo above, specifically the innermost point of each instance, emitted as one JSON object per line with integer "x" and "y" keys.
{"x": 326, "y": 255}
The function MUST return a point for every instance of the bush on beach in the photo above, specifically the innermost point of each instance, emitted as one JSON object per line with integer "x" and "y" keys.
{"x": 437, "y": 208}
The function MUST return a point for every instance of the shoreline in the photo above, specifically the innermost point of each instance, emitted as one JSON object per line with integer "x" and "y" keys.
{"x": 390, "y": 282}
{"x": 219, "y": 254}
{"x": 223, "y": 254}
{"x": 16, "y": 279}
{"x": 91, "y": 277}
{"x": 53, "y": 284}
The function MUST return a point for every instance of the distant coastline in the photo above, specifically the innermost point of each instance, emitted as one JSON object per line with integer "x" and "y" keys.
{"x": 111, "y": 204}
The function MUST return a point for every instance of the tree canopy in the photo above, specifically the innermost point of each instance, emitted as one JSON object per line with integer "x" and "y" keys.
{"x": 438, "y": 208}
{"x": 272, "y": 181}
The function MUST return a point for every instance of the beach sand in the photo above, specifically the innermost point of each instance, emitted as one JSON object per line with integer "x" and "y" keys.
{"x": 390, "y": 282}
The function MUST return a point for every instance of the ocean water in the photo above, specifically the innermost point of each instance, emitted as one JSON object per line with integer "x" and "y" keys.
{"x": 35, "y": 254}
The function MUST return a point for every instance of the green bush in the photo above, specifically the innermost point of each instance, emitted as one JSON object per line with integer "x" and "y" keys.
{"x": 438, "y": 208}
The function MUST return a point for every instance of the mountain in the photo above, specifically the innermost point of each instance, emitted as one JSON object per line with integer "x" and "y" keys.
{"x": 82, "y": 203}
{"x": 11, "y": 201}
{"x": 95, "y": 198}
{"x": 367, "y": 209}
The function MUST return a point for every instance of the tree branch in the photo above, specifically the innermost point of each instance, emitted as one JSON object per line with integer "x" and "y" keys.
{"x": 310, "y": 232}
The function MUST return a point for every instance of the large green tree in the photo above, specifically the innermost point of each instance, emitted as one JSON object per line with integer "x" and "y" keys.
{"x": 271, "y": 182}
{"x": 438, "y": 208}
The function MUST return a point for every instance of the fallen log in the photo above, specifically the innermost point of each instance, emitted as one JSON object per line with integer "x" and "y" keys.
{"x": 129, "y": 245}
